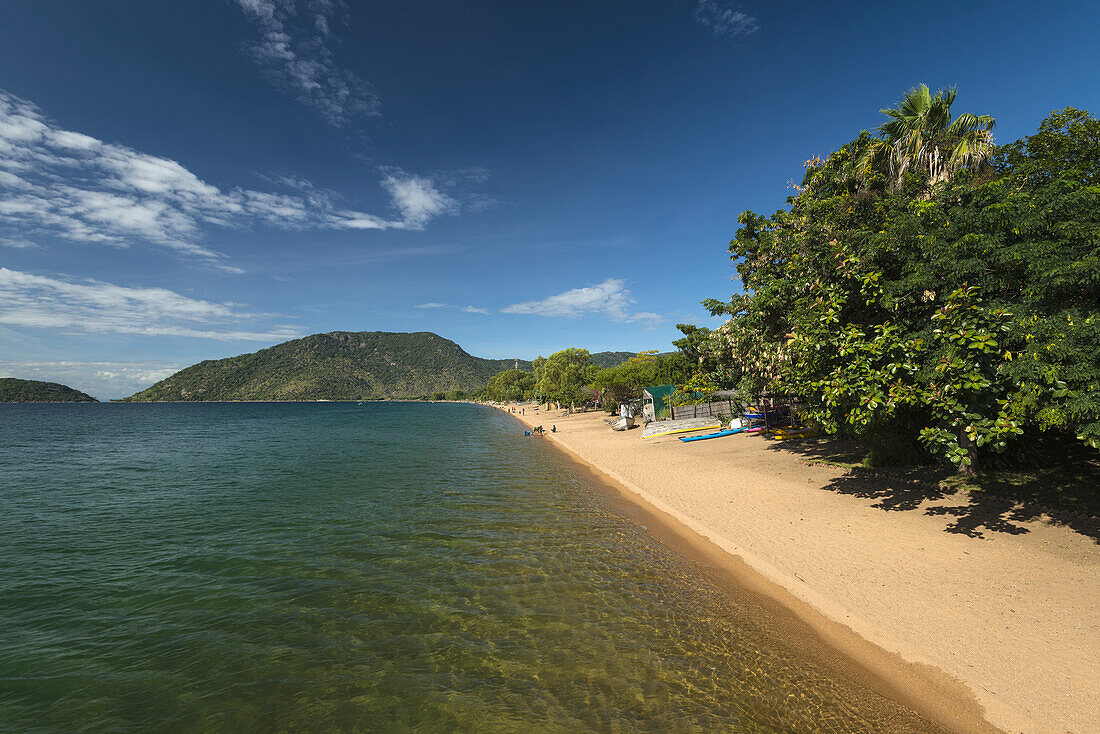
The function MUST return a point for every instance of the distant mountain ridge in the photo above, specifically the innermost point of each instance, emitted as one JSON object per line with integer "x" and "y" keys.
{"x": 14, "y": 390}
{"x": 340, "y": 365}
{"x": 611, "y": 359}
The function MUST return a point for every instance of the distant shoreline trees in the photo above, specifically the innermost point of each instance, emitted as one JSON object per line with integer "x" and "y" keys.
{"x": 511, "y": 386}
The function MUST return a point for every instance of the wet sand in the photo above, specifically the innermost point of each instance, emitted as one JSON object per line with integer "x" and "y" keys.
{"x": 974, "y": 622}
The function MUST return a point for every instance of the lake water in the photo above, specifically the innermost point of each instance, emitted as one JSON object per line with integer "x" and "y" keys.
{"x": 385, "y": 567}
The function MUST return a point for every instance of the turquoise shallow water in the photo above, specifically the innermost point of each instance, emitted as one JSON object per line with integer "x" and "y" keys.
{"x": 386, "y": 567}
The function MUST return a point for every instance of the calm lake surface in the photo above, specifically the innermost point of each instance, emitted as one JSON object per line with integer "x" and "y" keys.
{"x": 385, "y": 567}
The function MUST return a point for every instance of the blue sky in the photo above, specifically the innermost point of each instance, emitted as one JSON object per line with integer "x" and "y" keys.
{"x": 188, "y": 181}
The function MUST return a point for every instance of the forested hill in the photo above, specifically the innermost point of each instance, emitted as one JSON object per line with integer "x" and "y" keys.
{"x": 607, "y": 359}
{"x": 13, "y": 390}
{"x": 340, "y": 365}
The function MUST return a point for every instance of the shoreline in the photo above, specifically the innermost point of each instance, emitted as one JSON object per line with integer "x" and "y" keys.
{"x": 939, "y": 681}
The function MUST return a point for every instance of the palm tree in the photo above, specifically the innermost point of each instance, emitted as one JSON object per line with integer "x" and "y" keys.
{"x": 921, "y": 133}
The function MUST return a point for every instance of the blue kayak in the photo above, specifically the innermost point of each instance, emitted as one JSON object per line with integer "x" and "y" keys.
{"x": 729, "y": 432}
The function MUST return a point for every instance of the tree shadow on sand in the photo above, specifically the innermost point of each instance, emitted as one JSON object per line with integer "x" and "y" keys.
{"x": 1066, "y": 493}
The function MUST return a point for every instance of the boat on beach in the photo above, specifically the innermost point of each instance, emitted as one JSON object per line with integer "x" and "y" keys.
{"x": 720, "y": 434}
{"x": 683, "y": 425}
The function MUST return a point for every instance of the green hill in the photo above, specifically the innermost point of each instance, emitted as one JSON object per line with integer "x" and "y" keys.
{"x": 340, "y": 365}
{"x": 611, "y": 359}
{"x": 13, "y": 390}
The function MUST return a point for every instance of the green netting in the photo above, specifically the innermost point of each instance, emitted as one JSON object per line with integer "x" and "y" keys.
{"x": 661, "y": 396}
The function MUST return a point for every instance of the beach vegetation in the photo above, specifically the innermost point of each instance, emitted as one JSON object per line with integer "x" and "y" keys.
{"x": 565, "y": 377}
{"x": 941, "y": 298}
{"x": 511, "y": 386}
{"x": 921, "y": 133}
{"x": 698, "y": 389}
{"x": 624, "y": 383}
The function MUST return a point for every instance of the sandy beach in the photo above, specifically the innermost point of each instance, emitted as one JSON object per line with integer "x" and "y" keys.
{"x": 979, "y": 619}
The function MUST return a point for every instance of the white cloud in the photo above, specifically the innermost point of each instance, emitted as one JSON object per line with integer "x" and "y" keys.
{"x": 464, "y": 309}
{"x": 103, "y": 380}
{"x": 725, "y": 18}
{"x": 295, "y": 48}
{"x": 647, "y": 319}
{"x": 37, "y": 301}
{"x": 610, "y": 298}
{"x": 17, "y": 243}
{"x": 417, "y": 198}
{"x": 70, "y": 185}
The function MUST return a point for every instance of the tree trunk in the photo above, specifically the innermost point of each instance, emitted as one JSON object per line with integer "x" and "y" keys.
{"x": 971, "y": 449}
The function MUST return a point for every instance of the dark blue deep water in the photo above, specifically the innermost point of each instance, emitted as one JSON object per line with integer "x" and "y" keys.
{"x": 384, "y": 567}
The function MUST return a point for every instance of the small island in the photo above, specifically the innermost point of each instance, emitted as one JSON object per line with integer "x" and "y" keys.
{"x": 14, "y": 390}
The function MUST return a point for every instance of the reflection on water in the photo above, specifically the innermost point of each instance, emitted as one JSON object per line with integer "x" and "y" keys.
{"x": 387, "y": 567}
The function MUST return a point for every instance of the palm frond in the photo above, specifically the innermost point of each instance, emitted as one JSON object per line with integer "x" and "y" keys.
{"x": 916, "y": 101}
{"x": 875, "y": 157}
{"x": 972, "y": 150}
{"x": 967, "y": 122}
{"x": 919, "y": 131}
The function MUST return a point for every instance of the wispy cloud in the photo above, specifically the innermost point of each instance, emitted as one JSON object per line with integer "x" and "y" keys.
{"x": 647, "y": 319}
{"x": 725, "y": 18}
{"x": 37, "y": 301}
{"x": 610, "y": 298}
{"x": 417, "y": 198}
{"x": 69, "y": 185}
{"x": 104, "y": 380}
{"x": 296, "y": 50}
{"x": 464, "y": 309}
{"x": 17, "y": 243}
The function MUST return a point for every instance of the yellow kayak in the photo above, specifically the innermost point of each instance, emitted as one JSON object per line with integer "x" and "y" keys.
{"x": 782, "y": 433}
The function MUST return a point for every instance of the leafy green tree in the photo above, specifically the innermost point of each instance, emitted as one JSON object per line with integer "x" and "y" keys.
{"x": 969, "y": 391}
{"x": 625, "y": 382}
{"x": 693, "y": 345}
{"x": 511, "y": 386}
{"x": 538, "y": 368}
{"x": 699, "y": 389}
{"x": 960, "y": 317}
{"x": 1030, "y": 240}
{"x": 565, "y": 376}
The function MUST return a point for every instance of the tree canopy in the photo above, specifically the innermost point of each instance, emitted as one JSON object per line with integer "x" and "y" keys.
{"x": 511, "y": 386}
{"x": 958, "y": 308}
{"x": 920, "y": 132}
{"x": 565, "y": 376}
